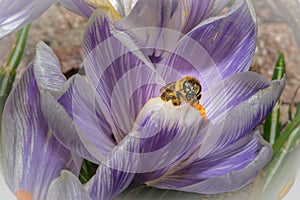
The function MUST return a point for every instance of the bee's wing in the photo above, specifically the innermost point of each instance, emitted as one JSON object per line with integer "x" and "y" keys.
{"x": 170, "y": 86}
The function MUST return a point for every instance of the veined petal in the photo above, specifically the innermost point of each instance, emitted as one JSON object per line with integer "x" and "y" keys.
{"x": 78, "y": 6}
{"x": 19, "y": 13}
{"x": 80, "y": 105}
{"x": 243, "y": 118}
{"x": 223, "y": 96}
{"x": 243, "y": 114}
{"x": 195, "y": 11}
{"x": 161, "y": 136}
{"x": 108, "y": 181}
{"x": 119, "y": 72}
{"x": 222, "y": 171}
{"x": 166, "y": 133}
{"x": 52, "y": 84}
{"x": 222, "y": 45}
{"x": 47, "y": 69}
{"x": 173, "y": 133}
{"x": 32, "y": 157}
{"x": 147, "y": 23}
{"x": 67, "y": 187}
{"x": 67, "y": 131}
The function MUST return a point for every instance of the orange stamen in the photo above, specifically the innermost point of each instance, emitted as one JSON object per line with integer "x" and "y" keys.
{"x": 201, "y": 109}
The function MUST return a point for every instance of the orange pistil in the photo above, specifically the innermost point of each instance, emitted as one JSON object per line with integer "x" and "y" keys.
{"x": 201, "y": 109}
{"x": 23, "y": 195}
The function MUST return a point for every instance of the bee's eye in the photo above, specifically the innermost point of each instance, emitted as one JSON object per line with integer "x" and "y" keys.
{"x": 197, "y": 88}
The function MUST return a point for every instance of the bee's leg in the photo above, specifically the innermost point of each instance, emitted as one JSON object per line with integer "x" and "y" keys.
{"x": 201, "y": 109}
{"x": 175, "y": 102}
{"x": 178, "y": 97}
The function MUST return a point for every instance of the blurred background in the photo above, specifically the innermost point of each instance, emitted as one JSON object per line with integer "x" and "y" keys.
{"x": 279, "y": 30}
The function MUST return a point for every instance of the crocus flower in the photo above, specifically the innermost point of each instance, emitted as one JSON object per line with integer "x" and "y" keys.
{"x": 115, "y": 117}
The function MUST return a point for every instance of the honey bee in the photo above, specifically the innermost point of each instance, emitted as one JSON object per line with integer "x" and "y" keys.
{"x": 187, "y": 89}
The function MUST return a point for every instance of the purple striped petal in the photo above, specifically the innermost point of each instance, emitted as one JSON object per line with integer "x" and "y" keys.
{"x": 124, "y": 79}
{"x": 82, "y": 105}
{"x": 19, "y": 13}
{"x": 161, "y": 136}
{"x": 218, "y": 47}
{"x": 47, "y": 69}
{"x": 69, "y": 133}
{"x": 225, "y": 170}
{"x": 67, "y": 187}
{"x": 32, "y": 157}
{"x": 146, "y": 24}
{"x": 243, "y": 118}
{"x": 78, "y": 6}
{"x": 195, "y": 11}
{"x": 51, "y": 82}
{"x": 108, "y": 181}
{"x": 223, "y": 96}
{"x": 166, "y": 133}
{"x": 240, "y": 118}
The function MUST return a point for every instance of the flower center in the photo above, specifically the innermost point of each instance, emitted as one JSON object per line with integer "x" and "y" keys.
{"x": 187, "y": 89}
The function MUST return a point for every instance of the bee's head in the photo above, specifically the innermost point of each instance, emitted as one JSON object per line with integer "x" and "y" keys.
{"x": 193, "y": 84}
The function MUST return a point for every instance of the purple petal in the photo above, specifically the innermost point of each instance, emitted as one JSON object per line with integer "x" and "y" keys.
{"x": 166, "y": 133}
{"x": 47, "y": 69}
{"x": 67, "y": 187}
{"x": 195, "y": 11}
{"x": 108, "y": 181}
{"x": 226, "y": 170}
{"x": 157, "y": 133}
{"x": 218, "y": 47}
{"x": 146, "y": 24}
{"x": 17, "y": 14}
{"x": 78, "y": 6}
{"x": 82, "y": 105}
{"x": 221, "y": 98}
{"x": 118, "y": 72}
{"x": 161, "y": 136}
{"x": 68, "y": 132}
{"x": 51, "y": 82}
{"x": 32, "y": 156}
{"x": 243, "y": 118}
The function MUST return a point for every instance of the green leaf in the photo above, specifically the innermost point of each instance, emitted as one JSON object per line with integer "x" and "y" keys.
{"x": 280, "y": 173}
{"x": 281, "y": 170}
{"x": 286, "y": 135}
{"x": 272, "y": 123}
{"x": 88, "y": 169}
{"x": 279, "y": 70}
{"x": 8, "y": 70}
{"x": 281, "y": 151}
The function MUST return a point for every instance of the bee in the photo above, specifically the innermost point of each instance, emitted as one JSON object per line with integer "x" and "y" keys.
{"x": 187, "y": 89}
